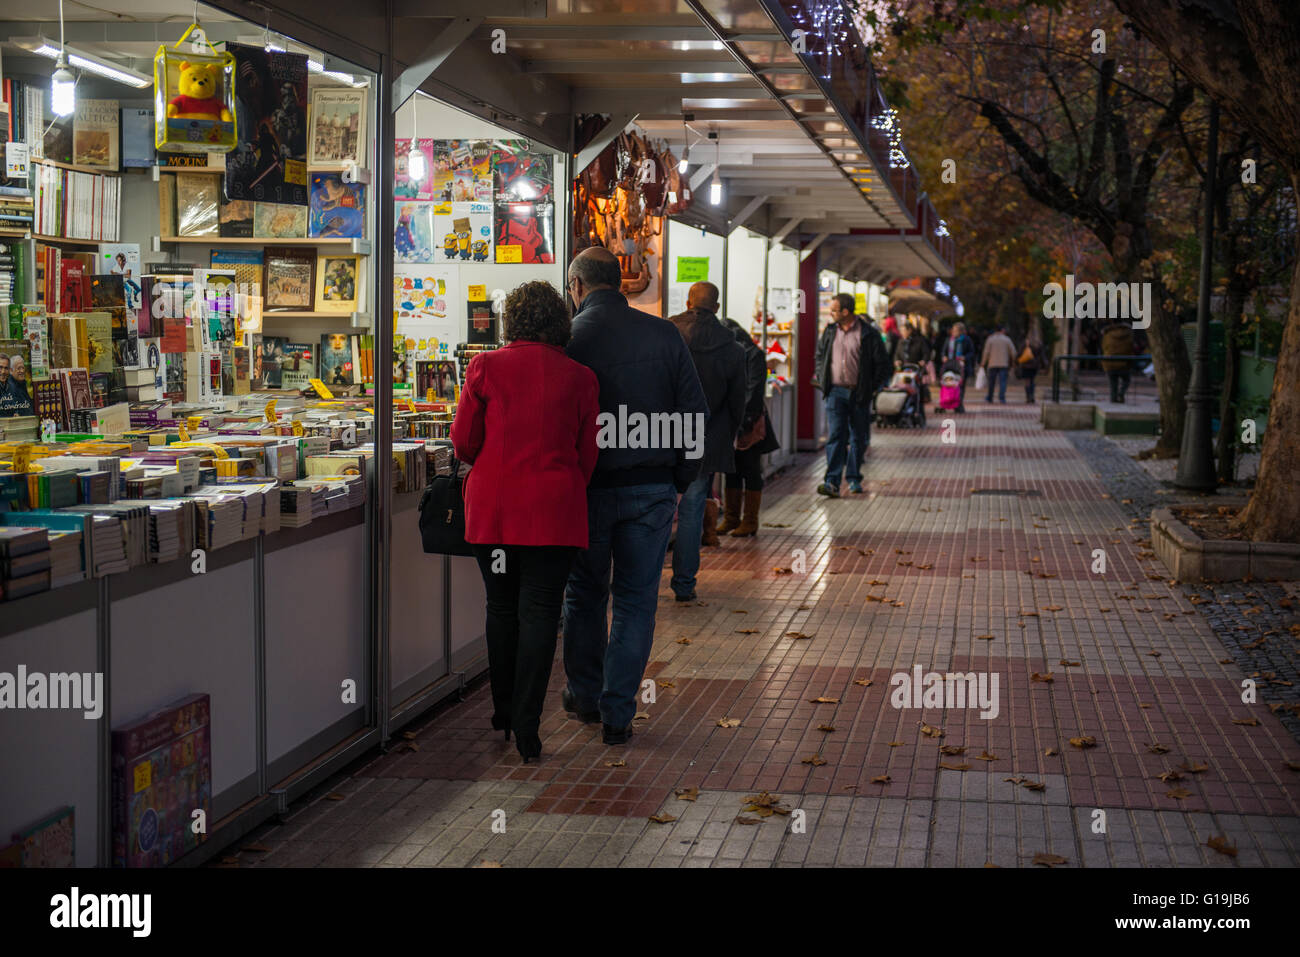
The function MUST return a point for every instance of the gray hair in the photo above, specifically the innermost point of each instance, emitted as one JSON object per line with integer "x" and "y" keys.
{"x": 594, "y": 272}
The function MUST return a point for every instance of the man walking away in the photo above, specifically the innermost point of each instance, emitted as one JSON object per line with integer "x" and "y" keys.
{"x": 852, "y": 366}
{"x": 1117, "y": 340}
{"x": 720, "y": 363}
{"x": 644, "y": 369}
{"x": 999, "y": 353}
{"x": 756, "y": 439}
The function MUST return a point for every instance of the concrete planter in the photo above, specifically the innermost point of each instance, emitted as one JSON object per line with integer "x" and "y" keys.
{"x": 1191, "y": 558}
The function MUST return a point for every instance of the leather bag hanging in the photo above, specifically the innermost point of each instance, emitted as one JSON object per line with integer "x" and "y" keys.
{"x": 442, "y": 515}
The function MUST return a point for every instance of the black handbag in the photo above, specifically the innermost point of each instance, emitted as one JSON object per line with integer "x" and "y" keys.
{"x": 442, "y": 515}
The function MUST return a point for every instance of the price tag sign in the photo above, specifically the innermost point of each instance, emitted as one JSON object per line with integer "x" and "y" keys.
{"x": 429, "y": 396}
{"x": 184, "y": 433}
{"x": 320, "y": 388}
{"x": 22, "y": 458}
{"x": 270, "y": 411}
{"x": 510, "y": 254}
{"x": 477, "y": 293}
{"x": 195, "y": 421}
{"x": 297, "y": 427}
{"x": 410, "y": 405}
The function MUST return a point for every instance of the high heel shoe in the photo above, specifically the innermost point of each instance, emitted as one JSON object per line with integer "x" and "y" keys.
{"x": 529, "y": 745}
{"x": 501, "y": 724}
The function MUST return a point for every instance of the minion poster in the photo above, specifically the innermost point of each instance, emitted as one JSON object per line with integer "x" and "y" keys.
{"x": 269, "y": 161}
{"x": 462, "y": 232}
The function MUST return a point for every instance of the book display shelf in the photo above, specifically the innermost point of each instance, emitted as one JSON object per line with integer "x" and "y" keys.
{"x": 188, "y": 480}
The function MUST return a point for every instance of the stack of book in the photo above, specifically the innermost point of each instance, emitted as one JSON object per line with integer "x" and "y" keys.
{"x": 65, "y": 558}
{"x": 24, "y": 560}
{"x": 297, "y": 504}
{"x": 16, "y": 209}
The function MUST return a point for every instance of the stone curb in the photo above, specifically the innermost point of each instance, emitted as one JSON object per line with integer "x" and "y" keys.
{"x": 1191, "y": 558}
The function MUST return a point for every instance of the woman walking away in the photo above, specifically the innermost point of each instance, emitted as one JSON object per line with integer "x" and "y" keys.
{"x": 1030, "y": 363}
{"x": 527, "y": 424}
{"x": 744, "y": 486}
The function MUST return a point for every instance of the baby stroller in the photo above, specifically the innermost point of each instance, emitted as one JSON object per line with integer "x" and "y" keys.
{"x": 900, "y": 403}
{"x": 950, "y": 383}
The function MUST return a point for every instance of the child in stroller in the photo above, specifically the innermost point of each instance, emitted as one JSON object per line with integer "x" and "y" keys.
{"x": 950, "y": 387}
{"x": 900, "y": 403}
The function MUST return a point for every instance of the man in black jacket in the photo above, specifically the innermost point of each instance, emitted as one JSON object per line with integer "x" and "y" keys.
{"x": 852, "y": 366}
{"x": 745, "y": 484}
{"x": 652, "y": 440}
{"x": 720, "y": 362}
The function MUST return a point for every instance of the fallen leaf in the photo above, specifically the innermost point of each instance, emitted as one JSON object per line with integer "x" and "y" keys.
{"x": 951, "y": 749}
{"x": 412, "y": 746}
{"x": 894, "y": 744}
{"x": 797, "y": 635}
{"x": 683, "y": 641}
{"x": 983, "y": 637}
{"x": 1178, "y": 793}
{"x": 1194, "y": 768}
{"x": 1044, "y": 678}
{"x": 620, "y": 763}
{"x": 1248, "y": 722}
{"x": 881, "y": 779}
{"x": 1170, "y": 775}
{"x": 930, "y": 732}
{"x": 775, "y": 525}
{"x": 816, "y": 760}
{"x": 741, "y": 819}
{"x": 1064, "y": 663}
{"x": 864, "y": 682}
{"x": 1157, "y": 749}
{"x": 1293, "y": 765}
{"x": 954, "y": 767}
{"x": 334, "y": 796}
{"x": 783, "y": 571}
{"x": 747, "y": 631}
{"x": 1051, "y": 860}
{"x": 1153, "y": 654}
{"x": 1220, "y": 843}
{"x": 666, "y": 684}
{"x": 826, "y": 728}
{"x": 1051, "y": 752}
{"x": 729, "y": 723}
{"x": 1084, "y": 741}
{"x": 409, "y": 735}
{"x": 804, "y": 608}
{"x": 662, "y": 818}
{"x": 985, "y": 756}
{"x": 824, "y": 700}
{"x": 687, "y": 794}
{"x": 765, "y": 805}
{"x": 926, "y": 567}
{"x": 990, "y": 864}
{"x": 904, "y": 564}
{"x": 1034, "y": 785}
{"x": 1051, "y": 607}
{"x": 641, "y": 716}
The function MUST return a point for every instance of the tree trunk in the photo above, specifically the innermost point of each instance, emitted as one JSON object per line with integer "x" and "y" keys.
{"x": 1272, "y": 515}
{"x": 1173, "y": 370}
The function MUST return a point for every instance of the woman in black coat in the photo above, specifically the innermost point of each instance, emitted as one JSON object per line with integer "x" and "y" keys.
{"x": 744, "y": 487}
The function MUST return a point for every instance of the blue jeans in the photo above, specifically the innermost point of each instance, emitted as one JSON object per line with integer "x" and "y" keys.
{"x": 628, "y": 528}
{"x": 848, "y": 425}
{"x": 690, "y": 528}
{"x": 998, "y": 378}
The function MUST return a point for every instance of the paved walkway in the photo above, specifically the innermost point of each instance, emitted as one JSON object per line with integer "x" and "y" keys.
{"x": 980, "y": 555}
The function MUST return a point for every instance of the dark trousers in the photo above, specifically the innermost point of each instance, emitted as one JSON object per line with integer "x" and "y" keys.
{"x": 749, "y": 471}
{"x": 525, "y": 588}
{"x": 848, "y": 427}
{"x": 1119, "y": 384}
{"x": 1029, "y": 378}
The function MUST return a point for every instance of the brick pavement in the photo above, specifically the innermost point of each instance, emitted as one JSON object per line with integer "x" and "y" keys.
{"x": 977, "y": 556}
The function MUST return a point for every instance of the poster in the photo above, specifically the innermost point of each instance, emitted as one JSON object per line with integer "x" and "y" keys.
{"x": 462, "y": 232}
{"x": 413, "y": 236}
{"x": 269, "y": 162}
{"x": 407, "y": 188}
{"x": 424, "y": 300}
{"x": 338, "y": 209}
{"x": 338, "y": 127}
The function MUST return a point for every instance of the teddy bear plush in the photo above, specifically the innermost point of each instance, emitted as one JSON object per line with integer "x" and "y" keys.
{"x": 200, "y": 94}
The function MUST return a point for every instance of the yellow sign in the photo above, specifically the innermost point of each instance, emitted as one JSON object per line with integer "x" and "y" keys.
{"x": 195, "y": 421}
{"x": 429, "y": 396}
{"x": 510, "y": 254}
{"x": 477, "y": 293}
{"x": 184, "y": 433}
{"x": 297, "y": 427}
{"x": 143, "y": 775}
{"x": 321, "y": 391}
{"x": 270, "y": 411}
{"x": 410, "y": 405}
{"x": 22, "y": 458}
{"x": 860, "y": 303}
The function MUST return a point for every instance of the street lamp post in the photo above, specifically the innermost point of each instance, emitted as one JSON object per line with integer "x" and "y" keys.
{"x": 1196, "y": 458}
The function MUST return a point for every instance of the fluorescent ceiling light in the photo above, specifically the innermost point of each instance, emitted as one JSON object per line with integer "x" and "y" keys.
{"x": 85, "y": 61}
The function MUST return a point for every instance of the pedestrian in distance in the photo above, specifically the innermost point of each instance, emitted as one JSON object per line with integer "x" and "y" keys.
{"x": 999, "y": 354}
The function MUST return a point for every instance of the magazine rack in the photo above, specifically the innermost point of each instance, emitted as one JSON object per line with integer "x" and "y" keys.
{"x": 194, "y": 96}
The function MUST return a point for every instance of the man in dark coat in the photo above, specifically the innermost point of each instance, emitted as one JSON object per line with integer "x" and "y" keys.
{"x": 1117, "y": 340}
{"x": 646, "y": 376}
{"x": 757, "y": 438}
{"x": 720, "y": 363}
{"x": 852, "y": 366}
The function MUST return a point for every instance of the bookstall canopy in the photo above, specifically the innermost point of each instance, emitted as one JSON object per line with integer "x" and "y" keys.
{"x": 806, "y": 145}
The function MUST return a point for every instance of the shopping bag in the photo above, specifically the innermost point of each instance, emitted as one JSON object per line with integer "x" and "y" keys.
{"x": 981, "y": 379}
{"x": 442, "y": 515}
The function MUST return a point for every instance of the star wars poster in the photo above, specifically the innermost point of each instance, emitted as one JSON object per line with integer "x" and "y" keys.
{"x": 269, "y": 162}
{"x": 524, "y": 203}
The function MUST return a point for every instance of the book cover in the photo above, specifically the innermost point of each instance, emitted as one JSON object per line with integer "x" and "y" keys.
{"x": 50, "y": 842}
{"x": 289, "y": 279}
{"x": 123, "y": 259}
{"x": 336, "y": 365}
{"x": 173, "y": 375}
{"x": 198, "y": 197}
{"x": 99, "y": 336}
{"x": 338, "y": 283}
{"x": 235, "y": 217}
{"x": 266, "y": 366}
{"x": 137, "y": 138}
{"x": 76, "y": 388}
{"x": 36, "y": 330}
{"x": 279, "y": 221}
{"x": 338, "y": 209}
{"x": 246, "y": 264}
{"x": 95, "y": 133}
{"x": 72, "y": 286}
{"x": 297, "y": 365}
{"x": 338, "y": 127}
{"x": 15, "y": 380}
{"x": 270, "y": 161}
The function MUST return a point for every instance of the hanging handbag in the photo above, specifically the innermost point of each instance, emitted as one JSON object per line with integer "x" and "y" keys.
{"x": 1026, "y": 356}
{"x": 442, "y": 515}
{"x": 757, "y": 432}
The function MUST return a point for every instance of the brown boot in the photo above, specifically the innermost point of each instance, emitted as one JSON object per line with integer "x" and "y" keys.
{"x": 710, "y": 536}
{"x": 749, "y": 523}
{"x": 731, "y": 515}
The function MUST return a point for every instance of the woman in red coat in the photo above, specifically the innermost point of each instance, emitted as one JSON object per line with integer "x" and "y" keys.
{"x": 527, "y": 424}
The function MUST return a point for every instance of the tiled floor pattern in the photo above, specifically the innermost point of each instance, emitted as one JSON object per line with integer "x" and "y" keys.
{"x": 921, "y": 570}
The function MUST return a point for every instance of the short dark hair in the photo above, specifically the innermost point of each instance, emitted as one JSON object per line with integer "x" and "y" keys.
{"x": 534, "y": 312}
{"x": 595, "y": 271}
{"x": 846, "y": 301}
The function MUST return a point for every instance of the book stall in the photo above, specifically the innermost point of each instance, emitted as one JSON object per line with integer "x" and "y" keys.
{"x": 190, "y": 270}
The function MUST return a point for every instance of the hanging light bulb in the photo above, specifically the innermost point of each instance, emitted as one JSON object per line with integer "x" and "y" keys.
{"x": 63, "y": 85}
{"x": 681, "y": 166}
{"x": 416, "y": 167}
{"x": 715, "y": 188}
